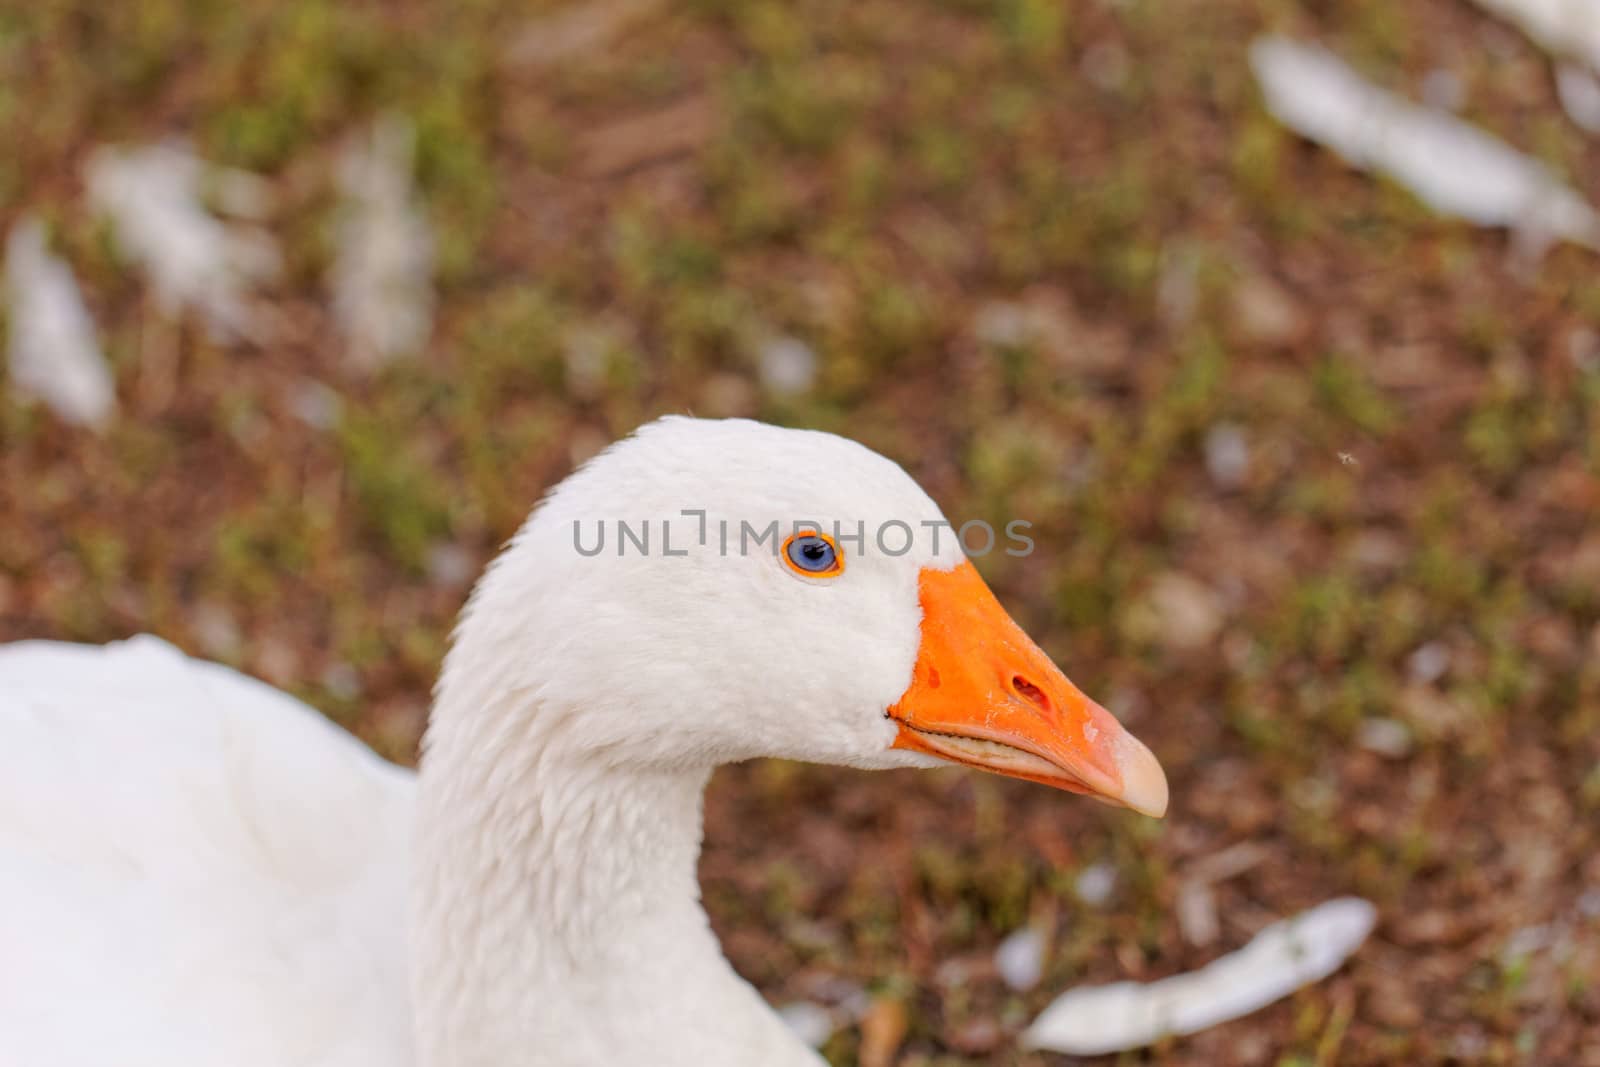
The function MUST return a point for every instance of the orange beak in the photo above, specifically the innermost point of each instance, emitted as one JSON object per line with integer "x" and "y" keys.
{"x": 985, "y": 695}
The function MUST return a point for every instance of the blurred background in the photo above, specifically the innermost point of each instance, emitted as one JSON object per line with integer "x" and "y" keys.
{"x": 1314, "y": 470}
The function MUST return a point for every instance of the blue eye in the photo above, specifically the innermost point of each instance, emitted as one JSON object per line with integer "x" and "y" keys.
{"x": 813, "y": 555}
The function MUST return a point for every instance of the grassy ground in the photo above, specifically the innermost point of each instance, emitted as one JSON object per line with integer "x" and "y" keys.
{"x": 1047, "y": 253}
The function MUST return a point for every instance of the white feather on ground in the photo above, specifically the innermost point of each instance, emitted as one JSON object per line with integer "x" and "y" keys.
{"x": 788, "y": 366}
{"x": 1579, "y": 92}
{"x": 1566, "y": 27}
{"x": 1570, "y": 30}
{"x": 1455, "y": 168}
{"x": 382, "y": 277}
{"x": 54, "y": 354}
{"x": 1280, "y": 959}
{"x": 811, "y": 1022}
{"x": 1019, "y": 959}
{"x": 153, "y": 196}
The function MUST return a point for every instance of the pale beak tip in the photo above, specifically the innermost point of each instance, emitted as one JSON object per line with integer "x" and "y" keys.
{"x": 1144, "y": 783}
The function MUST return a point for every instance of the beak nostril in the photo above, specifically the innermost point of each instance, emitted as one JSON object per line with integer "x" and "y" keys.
{"x": 1029, "y": 692}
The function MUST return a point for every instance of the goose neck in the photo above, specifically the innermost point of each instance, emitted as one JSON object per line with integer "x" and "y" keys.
{"x": 556, "y": 916}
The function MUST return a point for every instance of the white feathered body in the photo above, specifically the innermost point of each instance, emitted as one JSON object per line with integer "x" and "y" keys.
{"x": 198, "y": 871}
{"x": 195, "y": 870}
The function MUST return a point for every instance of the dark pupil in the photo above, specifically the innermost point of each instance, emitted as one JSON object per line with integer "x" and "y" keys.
{"x": 811, "y": 553}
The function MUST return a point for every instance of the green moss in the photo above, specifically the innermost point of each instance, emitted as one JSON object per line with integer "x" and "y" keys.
{"x": 402, "y": 499}
{"x": 1038, "y": 28}
{"x": 1346, "y": 393}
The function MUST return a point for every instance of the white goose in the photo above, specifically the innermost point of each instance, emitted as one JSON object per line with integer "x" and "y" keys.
{"x": 198, "y": 871}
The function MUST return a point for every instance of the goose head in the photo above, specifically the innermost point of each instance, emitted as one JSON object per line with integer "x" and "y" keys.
{"x": 706, "y": 592}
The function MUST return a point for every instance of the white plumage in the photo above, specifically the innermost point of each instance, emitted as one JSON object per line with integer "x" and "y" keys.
{"x": 194, "y": 869}
{"x": 198, "y": 871}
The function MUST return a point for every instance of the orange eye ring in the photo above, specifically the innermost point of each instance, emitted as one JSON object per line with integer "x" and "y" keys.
{"x": 812, "y": 554}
